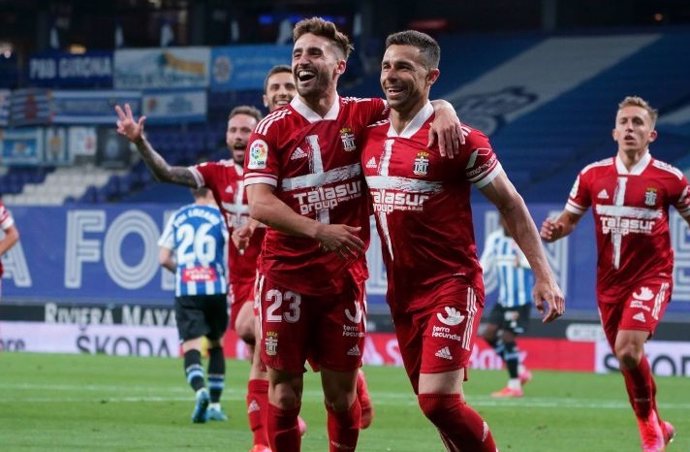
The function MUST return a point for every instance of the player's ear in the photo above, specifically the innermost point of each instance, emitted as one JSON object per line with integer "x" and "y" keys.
{"x": 652, "y": 135}
{"x": 265, "y": 99}
{"x": 433, "y": 75}
{"x": 340, "y": 67}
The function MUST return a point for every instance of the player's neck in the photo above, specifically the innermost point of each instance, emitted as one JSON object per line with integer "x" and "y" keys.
{"x": 401, "y": 117}
{"x": 631, "y": 157}
{"x": 320, "y": 104}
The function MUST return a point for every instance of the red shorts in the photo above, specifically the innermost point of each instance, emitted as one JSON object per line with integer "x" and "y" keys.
{"x": 440, "y": 337}
{"x": 642, "y": 310}
{"x": 327, "y": 329}
{"x": 240, "y": 292}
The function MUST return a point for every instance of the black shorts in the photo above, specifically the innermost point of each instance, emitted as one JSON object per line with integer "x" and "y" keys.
{"x": 515, "y": 319}
{"x": 201, "y": 315}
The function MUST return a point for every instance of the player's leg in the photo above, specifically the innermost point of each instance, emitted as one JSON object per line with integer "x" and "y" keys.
{"x": 443, "y": 403}
{"x": 216, "y": 310}
{"x": 286, "y": 325}
{"x": 628, "y": 326}
{"x": 515, "y": 321}
{"x": 364, "y": 399}
{"x": 257, "y": 396}
{"x": 194, "y": 372}
{"x": 191, "y": 327}
{"x": 448, "y": 331}
{"x": 339, "y": 343}
{"x": 342, "y": 408}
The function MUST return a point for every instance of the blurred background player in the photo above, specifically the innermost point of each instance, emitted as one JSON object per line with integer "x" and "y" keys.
{"x": 192, "y": 246}
{"x": 10, "y": 235}
{"x": 630, "y": 195}
{"x": 421, "y": 203}
{"x": 504, "y": 264}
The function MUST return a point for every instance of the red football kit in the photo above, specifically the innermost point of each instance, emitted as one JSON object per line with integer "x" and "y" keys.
{"x": 421, "y": 202}
{"x": 225, "y": 180}
{"x": 635, "y": 258}
{"x": 313, "y": 164}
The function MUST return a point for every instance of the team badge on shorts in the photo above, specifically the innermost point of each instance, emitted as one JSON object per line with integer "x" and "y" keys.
{"x": 258, "y": 155}
{"x": 271, "y": 342}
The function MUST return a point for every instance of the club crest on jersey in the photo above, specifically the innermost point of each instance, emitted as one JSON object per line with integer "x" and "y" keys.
{"x": 348, "y": 139}
{"x": 271, "y": 342}
{"x": 421, "y": 163}
{"x": 258, "y": 154}
{"x": 650, "y": 197}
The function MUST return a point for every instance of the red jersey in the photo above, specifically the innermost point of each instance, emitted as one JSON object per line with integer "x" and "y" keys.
{"x": 313, "y": 163}
{"x": 225, "y": 180}
{"x": 422, "y": 207}
{"x": 630, "y": 211}
{"x": 6, "y": 222}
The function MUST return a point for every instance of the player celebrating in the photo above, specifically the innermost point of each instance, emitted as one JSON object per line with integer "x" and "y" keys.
{"x": 304, "y": 181}
{"x": 630, "y": 195}
{"x": 423, "y": 214}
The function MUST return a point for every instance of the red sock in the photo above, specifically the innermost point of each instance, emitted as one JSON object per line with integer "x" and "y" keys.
{"x": 343, "y": 428}
{"x": 257, "y": 399}
{"x": 460, "y": 426}
{"x": 641, "y": 388}
{"x": 283, "y": 431}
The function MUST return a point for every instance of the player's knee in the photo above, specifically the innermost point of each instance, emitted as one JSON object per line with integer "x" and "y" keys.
{"x": 434, "y": 408}
{"x": 629, "y": 355}
{"x": 285, "y": 398}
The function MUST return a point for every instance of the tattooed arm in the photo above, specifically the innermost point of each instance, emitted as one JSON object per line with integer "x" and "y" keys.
{"x": 162, "y": 171}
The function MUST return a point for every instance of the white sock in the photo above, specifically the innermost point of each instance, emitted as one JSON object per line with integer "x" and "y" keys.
{"x": 514, "y": 383}
{"x": 214, "y": 406}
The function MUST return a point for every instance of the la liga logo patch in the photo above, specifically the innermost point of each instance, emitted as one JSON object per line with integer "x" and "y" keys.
{"x": 258, "y": 154}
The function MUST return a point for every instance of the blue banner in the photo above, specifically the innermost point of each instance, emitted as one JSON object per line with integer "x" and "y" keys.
{"x": 22, "y": 147}
{"x": 90, "y": 69}
{"x": 92, "y": 107}
{"x": 30, "y": 106}
{"x": 245, "y": 67}
{"x": 110, "y": 255}
{"x": 162, "y": 68}
{"x": 173, "y": 107}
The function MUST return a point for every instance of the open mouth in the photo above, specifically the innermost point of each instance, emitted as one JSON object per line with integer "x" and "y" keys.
{"x": 304, "y": 75}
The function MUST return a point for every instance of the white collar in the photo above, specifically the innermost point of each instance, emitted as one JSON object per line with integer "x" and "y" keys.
{"x": 635, "y": 170}
{"x": 310, "y": 115}
{"x": 417, "y": 122}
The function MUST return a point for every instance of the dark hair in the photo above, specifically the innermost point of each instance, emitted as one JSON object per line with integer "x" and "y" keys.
{"x": 248, "y": 110}
{"x": 277, "y": 69}
{"x": 200, "y": 192}
{"x": 427, "y": 45}
{"x": 326, "y": 29}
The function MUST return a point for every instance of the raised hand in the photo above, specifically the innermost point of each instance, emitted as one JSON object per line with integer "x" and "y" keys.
{"x": 127, "y": 125}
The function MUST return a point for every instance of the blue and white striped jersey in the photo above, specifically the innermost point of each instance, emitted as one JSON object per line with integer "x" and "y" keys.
{"x": 197, "y": 235}
{"x": 506, "y": 266}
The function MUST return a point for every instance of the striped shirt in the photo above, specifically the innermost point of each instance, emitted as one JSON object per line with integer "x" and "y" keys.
{"x": 197, "y": 234}
{"x": 505, "y": 266}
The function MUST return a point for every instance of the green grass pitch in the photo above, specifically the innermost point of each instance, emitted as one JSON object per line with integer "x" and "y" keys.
{"x": 104, "y": 403}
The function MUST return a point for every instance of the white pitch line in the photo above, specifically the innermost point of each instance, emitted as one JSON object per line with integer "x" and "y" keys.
{"x": 111, "y": 394}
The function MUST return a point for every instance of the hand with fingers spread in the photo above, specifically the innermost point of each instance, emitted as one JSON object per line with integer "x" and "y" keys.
{"x": 127, "y": 125}
{"x": 549, "y": 300}
{"x": 341, "y": 238}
